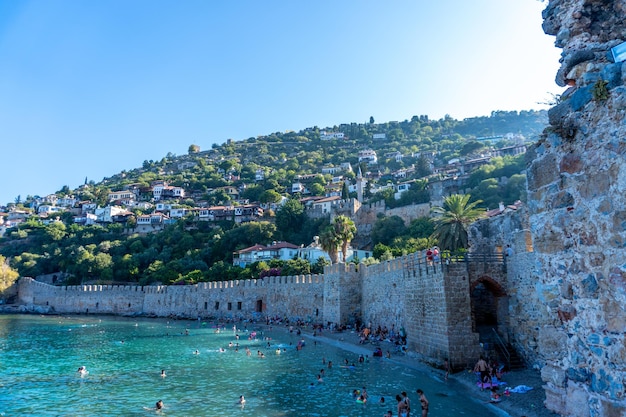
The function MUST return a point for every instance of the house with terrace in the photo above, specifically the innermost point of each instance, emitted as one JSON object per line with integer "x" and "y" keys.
{"x": 148, "y": 223}
{"x": 277, "y": 250}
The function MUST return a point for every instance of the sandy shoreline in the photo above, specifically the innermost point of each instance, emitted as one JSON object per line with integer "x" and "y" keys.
{"x": 529, "y": 404}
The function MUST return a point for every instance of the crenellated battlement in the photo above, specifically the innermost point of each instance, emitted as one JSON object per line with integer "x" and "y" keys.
{"x": 202, "y": 286}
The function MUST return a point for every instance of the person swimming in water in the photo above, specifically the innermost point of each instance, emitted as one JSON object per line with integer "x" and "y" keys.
{"x": 159, "y": 405}
{"x": 163, "y": 373}
{"x": 242, "y": 400}
{"x": 82, "y": 371}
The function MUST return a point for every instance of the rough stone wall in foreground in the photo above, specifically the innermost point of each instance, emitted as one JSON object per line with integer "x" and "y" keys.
{"x": 577, "y": 205}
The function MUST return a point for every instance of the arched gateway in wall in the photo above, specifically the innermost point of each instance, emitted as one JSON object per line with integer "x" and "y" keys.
{"x": 489, "y": 303}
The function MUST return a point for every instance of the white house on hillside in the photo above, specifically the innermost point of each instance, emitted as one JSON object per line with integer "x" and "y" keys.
{"x": 369, "y": 156}
{"x": 331, "y": 135}
{"x": 106, "y": 214}
{"x": 325, "y": 204}
{"x": 283, "y": 251}
{"x": 314, "y": 251}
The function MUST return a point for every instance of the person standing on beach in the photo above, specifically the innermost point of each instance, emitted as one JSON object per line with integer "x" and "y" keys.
{"x": 482, "y": 367}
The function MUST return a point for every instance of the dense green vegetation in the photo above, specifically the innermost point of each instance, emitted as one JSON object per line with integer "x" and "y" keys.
{"x": 189, "y": 252}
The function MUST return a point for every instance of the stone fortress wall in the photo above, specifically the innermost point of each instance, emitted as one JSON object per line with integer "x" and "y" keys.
{"x": 273, "y": 296}
{"x": 430, "y": 303}
{"x": 577, "y": 204}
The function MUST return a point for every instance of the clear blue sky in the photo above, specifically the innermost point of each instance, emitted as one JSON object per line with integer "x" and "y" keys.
{"x": 90, "y": 88}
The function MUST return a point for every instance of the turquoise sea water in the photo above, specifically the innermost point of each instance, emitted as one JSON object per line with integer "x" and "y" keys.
{"x": 39, "y": 357}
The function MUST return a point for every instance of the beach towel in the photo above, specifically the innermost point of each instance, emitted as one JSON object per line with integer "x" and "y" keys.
{"x": 521, "y": 389}
{"x": 490, "y": 384}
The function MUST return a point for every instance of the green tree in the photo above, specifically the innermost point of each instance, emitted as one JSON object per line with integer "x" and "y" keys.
{"x": 382, "y": 252}
{"x": 318, "y": 266}
{"x": 296, "y": 267}
{"x": 55, "y": 231}
{"x": 330, "y": 243}
{"x": 422, "y": 167}
{"x": 344, "y": 229}
{"x": 387, "y": 228}
{"x": 422, "y": 227}
{"x": 454, "y": 217}
{"x": 290, "y": 218}
{"x": 317, "y": 189}
{"x": 193, "y": 149}
{"x": 515, "y": 189}
{"x": 489, "y": 193}
{"x": 8, "y": 276}
{"x": 270, "y": 196}
{"x": 345, "y": 193}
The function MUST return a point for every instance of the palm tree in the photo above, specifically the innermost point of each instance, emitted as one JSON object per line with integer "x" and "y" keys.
{"x": 344, "y": 230}
{"x": 455, "y": 216}
{"x": 329, "y": 242}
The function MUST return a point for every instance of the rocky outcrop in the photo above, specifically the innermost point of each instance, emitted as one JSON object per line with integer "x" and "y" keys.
{"x": 577, "y": 205}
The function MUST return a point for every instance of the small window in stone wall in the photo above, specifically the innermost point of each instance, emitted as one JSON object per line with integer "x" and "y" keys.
{"x": 206, "y": 305}
{"x": 238, "y": 305}
{"x": 230, "y": 306}
{"x": 217, "y": 305}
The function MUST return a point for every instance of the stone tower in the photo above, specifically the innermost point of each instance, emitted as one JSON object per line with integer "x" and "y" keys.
{"x": 577, "y": 204}
{"x": 359, "y": 185}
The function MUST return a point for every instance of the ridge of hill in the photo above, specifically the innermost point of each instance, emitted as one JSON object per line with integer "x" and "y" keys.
{"x": 284, "y": 155}
{"x": 281, "y": 156}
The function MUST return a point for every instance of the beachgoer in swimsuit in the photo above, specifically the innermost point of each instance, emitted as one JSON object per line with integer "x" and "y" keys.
{"x": 483, "y": 368}
{"x": 423, "y": 402}
{"x": 159, "y": 405}
{"x": 406, "y": 400}
{"x": 402, "y": 411}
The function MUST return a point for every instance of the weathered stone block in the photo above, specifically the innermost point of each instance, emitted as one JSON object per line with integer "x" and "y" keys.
{"x": 571, "y": 163}
{"x": 578, "y": 374}
{"x": 614, "y": 315}
{"x": 576, "y": 401}
{"x": 553, "y": 375}
{"x": 580, "y": 98}
{"x": 611, "y": 408}
{"x": 612, "y": 73}
{"x": 543, "y": 172}
{"x": 552, "y": 342}
{"x": 555, "y": 399}
{"x": 563, "y": 199}
{"x": 589, "y": 286}
{"x": 595, "y": 184}
{"x": 600, "y": 381}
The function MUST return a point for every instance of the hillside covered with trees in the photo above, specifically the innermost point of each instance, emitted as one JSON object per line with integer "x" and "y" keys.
{"x": 262, "y": 170}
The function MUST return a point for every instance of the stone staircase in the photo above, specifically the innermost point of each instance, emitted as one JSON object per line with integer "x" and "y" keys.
{"x": 507, "y": 354}
{"x": 494, "y": 346}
